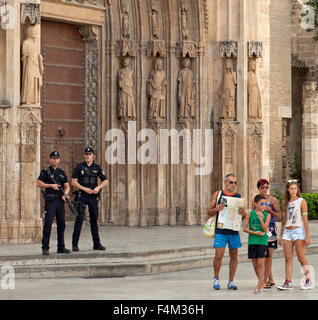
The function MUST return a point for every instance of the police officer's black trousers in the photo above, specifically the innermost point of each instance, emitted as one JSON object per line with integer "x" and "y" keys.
{"x": 93, "y": 217}
{"x": 54, "y": 208}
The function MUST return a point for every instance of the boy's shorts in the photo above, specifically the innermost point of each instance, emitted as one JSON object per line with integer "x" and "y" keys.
{"x": 221, "y": 240}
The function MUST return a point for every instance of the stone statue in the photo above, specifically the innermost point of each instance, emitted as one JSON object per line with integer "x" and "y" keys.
{"x": 155, "y": 20}
{"x": 227, "y": 94}
{"x": 156, "y": 90}
{"x": 125, "y": 30}
{"x": 254, "y": 96}
{"x": 186, "y": 91}
{"x": 32, "y": 67}
{"x": 184, "y": 24}
{"x": 126, "y": 96}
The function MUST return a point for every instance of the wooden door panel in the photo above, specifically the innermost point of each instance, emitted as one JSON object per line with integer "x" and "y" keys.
{"x": 64, "y": 75}
{"x": 63, "y": 95}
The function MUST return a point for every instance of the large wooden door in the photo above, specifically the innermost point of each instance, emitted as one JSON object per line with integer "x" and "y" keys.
{"x": 63, "y": 94}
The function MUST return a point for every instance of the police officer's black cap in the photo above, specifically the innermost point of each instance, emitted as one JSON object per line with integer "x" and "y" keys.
{"x": 89, "y": 150}
{"x": 54, "y": 154}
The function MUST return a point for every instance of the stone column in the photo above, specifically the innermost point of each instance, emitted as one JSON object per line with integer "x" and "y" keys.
{"x": 310, "y": 138}
{"x": 20, "y": 220}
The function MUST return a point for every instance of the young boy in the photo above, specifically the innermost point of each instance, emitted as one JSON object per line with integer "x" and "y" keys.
{"x": 256, "y": 224}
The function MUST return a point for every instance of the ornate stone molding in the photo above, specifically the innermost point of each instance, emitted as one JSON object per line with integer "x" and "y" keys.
{"x": 30, "y": 134}
{"x": 255, "y": 49}
{"x": 92, "y": 98}
{"x": 228, "y": 49}
{"x": 32, "y": 12}
{"x": 229, "y": 132}
{"x": 95, "y": 3}
{"x": 190, "y": 49}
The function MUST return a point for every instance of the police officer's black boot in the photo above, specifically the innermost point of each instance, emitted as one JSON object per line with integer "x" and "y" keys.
{"x": 98, "y": 246}
{"x": 45, "y": 252}
{"x": 63, "y": 250}
{"x": 75, "y": 248}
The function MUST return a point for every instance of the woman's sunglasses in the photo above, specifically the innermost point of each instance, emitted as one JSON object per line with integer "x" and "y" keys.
{"x": 265, "y": 187}
{"x": 263, "y": 203}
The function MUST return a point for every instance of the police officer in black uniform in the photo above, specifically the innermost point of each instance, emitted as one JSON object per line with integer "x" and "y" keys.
{"x": 85, "y": 180}
{"x": 54, "y": 202}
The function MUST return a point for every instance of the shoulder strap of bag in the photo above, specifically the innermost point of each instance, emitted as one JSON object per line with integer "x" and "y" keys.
{"x": 218, "y": 197}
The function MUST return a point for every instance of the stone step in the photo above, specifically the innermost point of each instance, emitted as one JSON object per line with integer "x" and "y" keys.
{"x": 94, "y": 269}
{"x": 105, "y": 257}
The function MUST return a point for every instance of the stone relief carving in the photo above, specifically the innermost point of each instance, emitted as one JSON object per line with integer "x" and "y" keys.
{"x": 30, "y": 11}
{"x": 254, "y": 96}
{"x": 156, "y": 90}
{"x": 229, "y": 134}
{"x": 30, "y": 127}
{"x": 228, "y": 91}
{"x": 186, "y": 91}
{"x": 126, "y": 93}
{"x": 125, "y": 26}
{"x": 32, "y": 67}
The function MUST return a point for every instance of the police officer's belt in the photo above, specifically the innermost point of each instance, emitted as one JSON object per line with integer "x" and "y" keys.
{"x": 51, "y": 196}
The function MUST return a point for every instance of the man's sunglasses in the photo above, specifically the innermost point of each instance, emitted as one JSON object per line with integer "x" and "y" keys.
{"x": 263, "y": 203}
{"x": 232, "y": 182}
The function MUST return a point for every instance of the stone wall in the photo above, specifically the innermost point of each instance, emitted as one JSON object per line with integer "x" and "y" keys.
{"x": 231, "y": 56}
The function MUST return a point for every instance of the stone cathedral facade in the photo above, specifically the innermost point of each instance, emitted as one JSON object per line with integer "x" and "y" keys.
{"x": 73, "y": 70}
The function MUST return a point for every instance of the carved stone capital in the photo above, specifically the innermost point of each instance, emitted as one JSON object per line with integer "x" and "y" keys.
{"x": 32, "y": 12}
{"x": 228, "y": 49}
{"x": 187, "y": 49}
{"x": 126, "y": 47}
{"x": 156, "y": 47}
{"x": 255, "y": 49}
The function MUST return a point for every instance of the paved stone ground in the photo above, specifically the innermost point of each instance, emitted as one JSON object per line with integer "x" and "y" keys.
{"x": 133, "y": 239}
{"x": 184, "y": 285}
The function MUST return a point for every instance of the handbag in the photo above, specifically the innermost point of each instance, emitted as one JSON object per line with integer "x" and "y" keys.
{"x": 209, "y": 227}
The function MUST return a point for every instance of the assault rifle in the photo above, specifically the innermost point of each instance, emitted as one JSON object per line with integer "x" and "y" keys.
{"x": 67, "y": 198}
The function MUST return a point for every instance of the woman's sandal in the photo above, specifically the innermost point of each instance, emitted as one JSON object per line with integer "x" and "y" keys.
{"x": 256, "y": 291}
